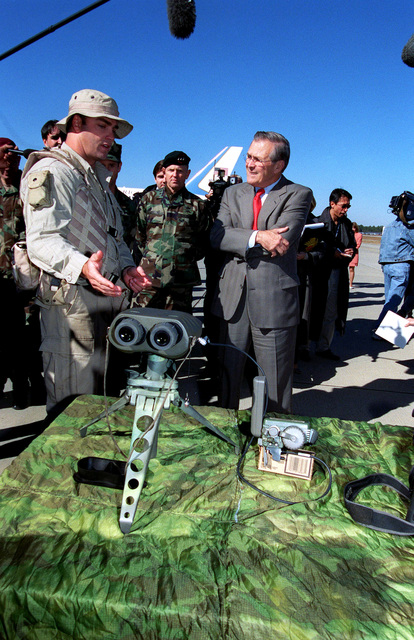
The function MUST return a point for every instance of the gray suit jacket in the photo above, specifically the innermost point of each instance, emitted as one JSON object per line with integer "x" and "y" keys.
{"x": 272, "y": 297}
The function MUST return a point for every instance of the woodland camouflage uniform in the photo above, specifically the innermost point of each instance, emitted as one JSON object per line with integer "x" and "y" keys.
{"x": 172, "y": 234}
{"x": 11, "y": 226}
{"x": 13, "y": 353}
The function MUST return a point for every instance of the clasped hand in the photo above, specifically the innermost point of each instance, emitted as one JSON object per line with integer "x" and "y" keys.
{"x": 273, "y": 241}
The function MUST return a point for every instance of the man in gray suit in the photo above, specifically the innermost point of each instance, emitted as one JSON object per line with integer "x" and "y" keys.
{"x": 257, "y": 297}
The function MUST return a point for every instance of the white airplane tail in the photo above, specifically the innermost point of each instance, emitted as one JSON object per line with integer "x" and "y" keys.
{"x": 224, "y": 161}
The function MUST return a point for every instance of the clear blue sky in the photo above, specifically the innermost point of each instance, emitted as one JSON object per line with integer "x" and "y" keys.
{"x": 326, "y": 74}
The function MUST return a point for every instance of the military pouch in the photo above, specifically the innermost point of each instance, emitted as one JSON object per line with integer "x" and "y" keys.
{"x": 39, "y": 189}
{"x": 26, "y": 275}
{"x": 53, "y": 291}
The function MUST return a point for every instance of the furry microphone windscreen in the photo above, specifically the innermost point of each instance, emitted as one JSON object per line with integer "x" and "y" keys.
{"x": 181, "y": 17}
{"x": 408, "y": 52}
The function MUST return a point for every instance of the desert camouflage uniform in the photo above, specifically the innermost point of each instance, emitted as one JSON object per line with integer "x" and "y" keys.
{"x": 74, "y": 316}
{"x": 172, "y": 235}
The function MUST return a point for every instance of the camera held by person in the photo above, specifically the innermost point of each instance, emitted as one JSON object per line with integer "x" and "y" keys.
{"x": 403, "y": 207}
{"x": 217, "y": 188}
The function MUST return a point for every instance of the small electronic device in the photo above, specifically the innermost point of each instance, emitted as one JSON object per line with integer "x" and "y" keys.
{"x": 297, "y": 465}
{"x": 280, "y": 447}
{"x": 280, "y": 443}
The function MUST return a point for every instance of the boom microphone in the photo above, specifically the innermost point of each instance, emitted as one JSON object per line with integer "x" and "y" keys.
{"x": 25, "y": 153}
{"x": 181, "y": 17}
{"x": 408, "y": 52}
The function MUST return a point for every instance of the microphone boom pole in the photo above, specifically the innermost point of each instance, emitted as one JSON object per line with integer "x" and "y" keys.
{"x": 51, "y": 29}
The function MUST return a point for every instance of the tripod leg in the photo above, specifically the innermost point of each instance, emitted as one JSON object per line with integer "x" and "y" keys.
{"x": 206, "y": 423}
{"x": 137, "y": 465}
{"x": 123, "y": 400}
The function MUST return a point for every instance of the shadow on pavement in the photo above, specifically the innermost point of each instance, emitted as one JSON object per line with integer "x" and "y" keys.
{"x": 18, "y": 438}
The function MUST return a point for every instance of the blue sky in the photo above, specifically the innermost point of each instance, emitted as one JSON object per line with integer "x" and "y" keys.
{"x": 326, "y": 74}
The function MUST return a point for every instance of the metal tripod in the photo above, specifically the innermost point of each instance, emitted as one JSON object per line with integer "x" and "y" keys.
{"x": 150, "y": 393}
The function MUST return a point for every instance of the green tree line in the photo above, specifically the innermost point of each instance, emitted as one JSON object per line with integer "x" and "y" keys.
{"x": 370, "y": 228}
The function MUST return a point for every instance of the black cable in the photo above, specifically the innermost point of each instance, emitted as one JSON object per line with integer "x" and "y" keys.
{"x": 232, "y": 346}
{"x": 268, "y": 495}
{"x": 240, "y": 461}
{"x": 239, "y": 473}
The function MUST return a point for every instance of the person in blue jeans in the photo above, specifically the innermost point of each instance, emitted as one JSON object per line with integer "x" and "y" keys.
{"x": 396, "y": 257}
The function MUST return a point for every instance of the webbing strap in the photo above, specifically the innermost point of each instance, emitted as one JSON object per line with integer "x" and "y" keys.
{"x": 380, "y": 520}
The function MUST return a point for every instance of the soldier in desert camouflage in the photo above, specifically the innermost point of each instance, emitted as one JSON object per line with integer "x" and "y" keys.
{"x": 74, "y": 235}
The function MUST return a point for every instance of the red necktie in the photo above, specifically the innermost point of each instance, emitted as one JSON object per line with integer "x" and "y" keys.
{"x": 257, "y": 205}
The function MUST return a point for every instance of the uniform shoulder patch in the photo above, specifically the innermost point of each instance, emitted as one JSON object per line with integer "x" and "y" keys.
{"x": 39, "y": 184}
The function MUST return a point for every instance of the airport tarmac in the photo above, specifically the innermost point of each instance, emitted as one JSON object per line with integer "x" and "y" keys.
{"x": 373, "y": 382}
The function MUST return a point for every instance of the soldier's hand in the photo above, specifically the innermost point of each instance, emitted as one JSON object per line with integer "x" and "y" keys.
{"x": 273, "y": 241}
{"x": 135, "y": 278}
{"x": 91, "y": 270}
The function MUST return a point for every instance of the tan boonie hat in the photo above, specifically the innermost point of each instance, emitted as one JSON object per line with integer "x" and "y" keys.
{"x": 95, "y": 104}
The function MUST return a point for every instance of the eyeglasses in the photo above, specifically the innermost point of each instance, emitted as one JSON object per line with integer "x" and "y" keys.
{"x": 249, "y": 158}
{"x": 57, "y": 136}
{"x": 345, "y": 206}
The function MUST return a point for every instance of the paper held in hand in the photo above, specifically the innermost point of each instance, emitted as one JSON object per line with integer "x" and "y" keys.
{"x": 393, "y": 329}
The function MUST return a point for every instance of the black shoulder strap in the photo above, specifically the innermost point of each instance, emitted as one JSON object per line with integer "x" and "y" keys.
{"x": 379, "y": 520}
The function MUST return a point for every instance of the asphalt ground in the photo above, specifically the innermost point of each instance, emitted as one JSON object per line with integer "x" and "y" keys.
{"x": 373, "y": 382}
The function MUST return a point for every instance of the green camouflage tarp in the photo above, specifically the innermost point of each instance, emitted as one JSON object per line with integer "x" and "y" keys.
{"x": 207, "y": 558}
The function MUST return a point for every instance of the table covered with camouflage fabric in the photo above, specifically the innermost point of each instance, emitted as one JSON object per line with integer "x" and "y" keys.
{"x": 207, "y": 558}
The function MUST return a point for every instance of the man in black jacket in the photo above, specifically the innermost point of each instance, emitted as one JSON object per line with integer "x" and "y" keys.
{"x": 330, "y": 304}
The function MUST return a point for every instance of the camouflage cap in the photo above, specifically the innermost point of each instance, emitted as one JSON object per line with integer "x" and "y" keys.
{"x": 95, "y": 104}
{"x": 115, "y": 152}
{"x": 176, "y": 157}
